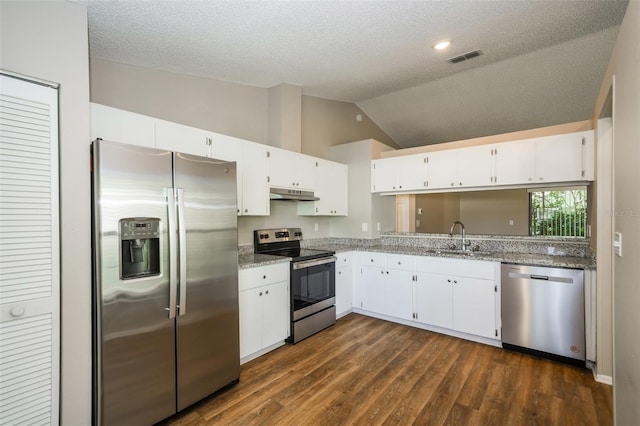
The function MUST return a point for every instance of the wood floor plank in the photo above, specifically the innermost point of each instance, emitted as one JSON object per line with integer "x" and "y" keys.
{"x": 365, "y": 371}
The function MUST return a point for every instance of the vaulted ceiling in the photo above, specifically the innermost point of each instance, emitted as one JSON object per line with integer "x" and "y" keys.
{"x": 541, "y": 64}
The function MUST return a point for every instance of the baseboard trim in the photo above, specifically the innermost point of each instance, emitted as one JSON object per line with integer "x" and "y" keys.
{"x": 601, "y": 378}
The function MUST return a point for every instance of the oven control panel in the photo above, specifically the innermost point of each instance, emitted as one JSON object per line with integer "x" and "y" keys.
{"x": 264, "y": 236}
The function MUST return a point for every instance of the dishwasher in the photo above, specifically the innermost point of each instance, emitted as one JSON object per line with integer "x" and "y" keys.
{"x": 543, "y": 311}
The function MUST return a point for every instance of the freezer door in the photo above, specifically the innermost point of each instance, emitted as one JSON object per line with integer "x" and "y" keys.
{"x": 208, "y": 354}
{"x": 134, "y": 338}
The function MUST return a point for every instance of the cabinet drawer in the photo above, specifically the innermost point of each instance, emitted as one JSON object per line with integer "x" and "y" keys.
{"x": 373, "y": 259}
{"x": 458, "y": 267}
{"x": 263, "y": 275}
{"x": 344, "y": 259}
{"x": 401, "y": 261}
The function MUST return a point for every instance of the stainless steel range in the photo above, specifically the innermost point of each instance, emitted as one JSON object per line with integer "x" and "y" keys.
{"x": 312, "y": 280}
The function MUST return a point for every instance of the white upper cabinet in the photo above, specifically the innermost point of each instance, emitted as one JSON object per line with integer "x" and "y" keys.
{"x": 564, "y": 158}
{"x": 459, "y": 168}
{"x": 255, "y": 189}
{"x": 331, "y": 186}
{"x": 513, "y": 163}
{"x": 176, "y": 137}
{"x": 288, "y": 169}
{"x": 537, "y": 161}
{"x": 395, "y": 174}
{"x": 116, "y": 125}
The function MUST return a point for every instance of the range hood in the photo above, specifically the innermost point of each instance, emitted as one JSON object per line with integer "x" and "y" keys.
{"x": 292, "y": 194}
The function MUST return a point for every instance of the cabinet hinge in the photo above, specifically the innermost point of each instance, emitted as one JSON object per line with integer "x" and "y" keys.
{"x": 426, "y": 160}
{"x": 583, "y": 141}
{"x": 495, "y": 288}
{"x": 582, "y": 173}
{"x": 496, "y": 332}
{"x": 268, "y": 154}
{"x": 374, "y": 165}
{"x": 268, "y": 179}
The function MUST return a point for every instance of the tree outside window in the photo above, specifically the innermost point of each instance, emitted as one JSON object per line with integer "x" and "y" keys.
{"x": 561, "y": 212}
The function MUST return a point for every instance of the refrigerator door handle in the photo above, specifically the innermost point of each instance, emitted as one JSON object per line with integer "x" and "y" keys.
{"x": 182, "y": 234}
{"x": 173, "y": 257}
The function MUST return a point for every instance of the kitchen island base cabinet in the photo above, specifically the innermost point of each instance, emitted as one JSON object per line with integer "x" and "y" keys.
{"x": 264, "y": 309}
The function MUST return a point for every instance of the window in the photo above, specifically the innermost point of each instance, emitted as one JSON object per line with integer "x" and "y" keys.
{"x": 559, "y": 212}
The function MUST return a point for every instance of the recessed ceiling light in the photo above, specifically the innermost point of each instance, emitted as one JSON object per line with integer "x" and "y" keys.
{"x": 442, "y": 45}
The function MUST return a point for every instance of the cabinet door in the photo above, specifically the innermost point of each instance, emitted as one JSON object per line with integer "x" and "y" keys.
{"x": 275, "y": 313}
{"x": 474, "y": 307}
{"x": 179, "y": 138}
{"x": 288, "y": 169}
{"x": 412, "y": 172}
{"x": 514, "y": 162}
{"x": 441, "y": 169}
{"x": 255, "y": 189}
{"x": 112, "y": 124}
{"x": 559, "y": 158}
{"x": 250, "y": 304}
{"x": 344, "y": 289}
{"x": 398, "y": 293}
{"x": 373, "y": 289}
{"x": 384, "y": 175}
{"x": 474, "y": 167}
{"x": 434, "y": 300}
{"x": 228, "y": 148}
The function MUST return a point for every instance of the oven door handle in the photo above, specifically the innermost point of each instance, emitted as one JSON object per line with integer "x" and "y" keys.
{"x": 314, "y": 262}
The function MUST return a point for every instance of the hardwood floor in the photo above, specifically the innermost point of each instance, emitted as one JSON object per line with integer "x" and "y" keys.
{"x": 365, "y": 371}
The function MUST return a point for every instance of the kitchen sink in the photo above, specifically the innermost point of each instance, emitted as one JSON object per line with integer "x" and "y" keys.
{"x": 461, "y": 252}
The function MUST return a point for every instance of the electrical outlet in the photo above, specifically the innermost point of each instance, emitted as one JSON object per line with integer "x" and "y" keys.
{"x": 365, "y": 227}
{"x": 315, "y": 227}
{"x": 417, "y": 223}
{"x": 511, "y": 222}
{"x": 378, "y": 226}
{"x": 420, "y": 211}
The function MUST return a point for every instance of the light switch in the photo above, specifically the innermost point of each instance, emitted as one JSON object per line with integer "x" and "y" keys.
{"x": 617, "y": 244}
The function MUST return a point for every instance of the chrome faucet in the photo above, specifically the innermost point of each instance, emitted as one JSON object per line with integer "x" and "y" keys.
{"x": 465, "y": 244}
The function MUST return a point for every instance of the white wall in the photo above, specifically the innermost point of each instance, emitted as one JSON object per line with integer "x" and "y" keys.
{"x": 623, "y": 74}
{"x": 48, "y": 40}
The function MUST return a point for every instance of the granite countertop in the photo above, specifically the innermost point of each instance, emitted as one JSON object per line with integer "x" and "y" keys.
{"x": 520, "y": 258}
{"x": 254, "y": 260}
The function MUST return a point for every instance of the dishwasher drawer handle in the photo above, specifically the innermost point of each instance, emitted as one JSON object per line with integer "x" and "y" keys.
{"x": 539, "y": 277}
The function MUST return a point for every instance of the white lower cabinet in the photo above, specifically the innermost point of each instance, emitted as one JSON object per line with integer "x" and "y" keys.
{"x": 474, "y": 307}
{"x": 344, "y": 283}
{"x": 264, "y": 307}
{"x": 463, "y": 304}
{"x": 434, "y": 300}
{"x": 453, "y": 294}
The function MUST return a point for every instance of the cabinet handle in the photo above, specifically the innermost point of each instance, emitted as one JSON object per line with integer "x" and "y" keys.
{"x": 460, "y": 184}
{"x": 266, "y": 292}
{"x": 455, "y": 281}
{"x": 453, "y": 184}
{"x": 246, "y": 210}
{"x": 387, "y": 272}
{"x": 448, "y": 281}
{"x": 264, "y": 277}
{"x": 260, "y": 294}
{"x": 382, "y": 272}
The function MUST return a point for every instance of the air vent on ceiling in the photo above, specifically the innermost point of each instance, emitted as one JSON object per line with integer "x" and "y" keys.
{"x": 464, "y": 56}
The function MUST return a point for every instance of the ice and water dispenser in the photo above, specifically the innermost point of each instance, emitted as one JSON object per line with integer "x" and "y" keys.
{"x": 139, "y": 247}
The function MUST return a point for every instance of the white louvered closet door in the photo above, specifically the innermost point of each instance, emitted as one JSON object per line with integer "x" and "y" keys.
{"x": 29, "y": 254}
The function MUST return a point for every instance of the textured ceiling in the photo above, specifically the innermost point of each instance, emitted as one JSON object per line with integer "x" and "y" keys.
{"x": 542, "y": 61}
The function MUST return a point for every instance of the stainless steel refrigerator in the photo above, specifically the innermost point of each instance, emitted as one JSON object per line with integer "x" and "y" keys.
{"x": 165, "y": 268}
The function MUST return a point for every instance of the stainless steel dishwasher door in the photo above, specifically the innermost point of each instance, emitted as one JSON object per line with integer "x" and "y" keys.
{"x": 543, "y": 309}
